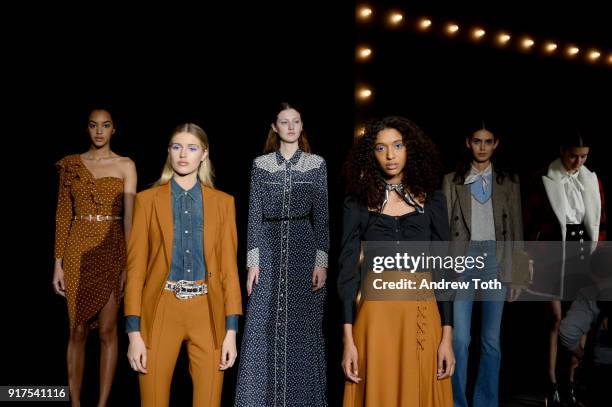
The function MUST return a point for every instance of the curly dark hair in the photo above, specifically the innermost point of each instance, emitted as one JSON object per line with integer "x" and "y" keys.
{"x": 421, "y": 174}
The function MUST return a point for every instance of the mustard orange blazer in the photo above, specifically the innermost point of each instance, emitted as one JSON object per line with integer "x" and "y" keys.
{"x": 150, "y": 256}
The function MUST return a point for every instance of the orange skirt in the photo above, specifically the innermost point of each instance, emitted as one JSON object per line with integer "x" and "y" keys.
{"x": 397, "y": 344}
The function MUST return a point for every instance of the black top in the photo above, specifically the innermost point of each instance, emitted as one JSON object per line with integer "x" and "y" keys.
{"x": 359, "y": 224}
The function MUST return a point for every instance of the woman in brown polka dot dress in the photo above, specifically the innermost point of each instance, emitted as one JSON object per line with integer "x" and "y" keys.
{"x": 93, "y": 219}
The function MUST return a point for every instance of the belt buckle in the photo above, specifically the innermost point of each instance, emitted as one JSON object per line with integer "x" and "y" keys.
{"x": 178, "y": 290}
{"x": 99, "y": 218}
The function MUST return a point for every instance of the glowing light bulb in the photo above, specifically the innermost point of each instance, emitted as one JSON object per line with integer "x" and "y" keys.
{"x": 452, "y": 28}
{"x": 364, "y": 93}
{"x": 424, "y": 24}
{"x": 396, "y": 18}
{"x": 594, "y": 55}
{"x": 550, "y": 47}
{"x": 503, "y": 38}
{"x": 478, "y": 33}
{"x": 364, "y": 52}
{"x": 365, "y": 13}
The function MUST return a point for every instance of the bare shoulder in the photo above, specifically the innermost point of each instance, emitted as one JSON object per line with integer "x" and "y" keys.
{"x": 127, "y": 165}
{"x": 125, "y": 161}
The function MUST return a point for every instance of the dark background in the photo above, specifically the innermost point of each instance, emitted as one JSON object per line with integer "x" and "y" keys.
{"x": 226, "y": 69}
{"x": 450, "y": 85}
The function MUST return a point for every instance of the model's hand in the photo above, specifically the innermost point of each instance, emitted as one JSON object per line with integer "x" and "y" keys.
{"x": 137, "y": 352}
{"x": 319, "y": 275}
{"x": 515, "y": 292}
{"x": 228, "y": 350}
{"x": 253, "y": 276}
{"x": 349, "y": 362}
{"x": 58, "y": 280}
{"x": 446, "y": 359}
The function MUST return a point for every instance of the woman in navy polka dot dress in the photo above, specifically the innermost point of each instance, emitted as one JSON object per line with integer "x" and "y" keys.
{"x": 282, "y": 362}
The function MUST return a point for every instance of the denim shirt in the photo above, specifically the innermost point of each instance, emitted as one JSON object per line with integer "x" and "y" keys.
{"x": 187, "y": 246}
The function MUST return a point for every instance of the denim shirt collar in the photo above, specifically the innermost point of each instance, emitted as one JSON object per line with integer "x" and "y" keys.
{"x": 194, "y": 193}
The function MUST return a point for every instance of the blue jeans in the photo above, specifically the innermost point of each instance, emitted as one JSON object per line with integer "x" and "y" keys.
{"x": 487, "y": 382}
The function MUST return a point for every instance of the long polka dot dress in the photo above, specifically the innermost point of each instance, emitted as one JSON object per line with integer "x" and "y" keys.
{"x": 93, "y": 252}
{"x": 282, "y": 361}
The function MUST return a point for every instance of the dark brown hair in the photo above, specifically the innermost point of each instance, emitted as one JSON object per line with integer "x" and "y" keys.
{"x": 574, "y": 139}
{"x": 465, "y": 164}
{"x": 273, "y": 140}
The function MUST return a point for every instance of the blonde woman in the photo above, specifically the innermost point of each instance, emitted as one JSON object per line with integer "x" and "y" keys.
{"x": 182, "y": 282}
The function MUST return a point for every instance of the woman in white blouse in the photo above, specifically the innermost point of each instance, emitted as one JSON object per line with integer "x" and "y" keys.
{"x": 566, "y": 203}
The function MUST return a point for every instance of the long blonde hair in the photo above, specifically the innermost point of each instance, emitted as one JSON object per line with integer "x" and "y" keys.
{"x": 205, "y": 171}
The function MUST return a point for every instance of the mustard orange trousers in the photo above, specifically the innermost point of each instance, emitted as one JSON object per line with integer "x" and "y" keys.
{"x": 177, "y": 321}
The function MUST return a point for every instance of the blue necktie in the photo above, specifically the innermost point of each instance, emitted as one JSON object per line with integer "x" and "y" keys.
{"x": 481, "y": 188}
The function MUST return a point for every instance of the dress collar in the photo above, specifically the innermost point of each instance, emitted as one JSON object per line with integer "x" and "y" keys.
{"x": 293, "y": 160}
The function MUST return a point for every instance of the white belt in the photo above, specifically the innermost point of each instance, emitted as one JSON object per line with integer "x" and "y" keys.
{"x": 184, "y": 289}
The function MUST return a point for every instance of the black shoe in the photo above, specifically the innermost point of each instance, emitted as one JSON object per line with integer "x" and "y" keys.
{"x": 572, "y": 399}
{"x": 553, "y": 399}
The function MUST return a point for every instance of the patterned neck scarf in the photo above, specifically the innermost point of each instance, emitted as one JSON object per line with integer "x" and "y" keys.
{"x": 399, "y": 188}
{"x": 481, "y": 183}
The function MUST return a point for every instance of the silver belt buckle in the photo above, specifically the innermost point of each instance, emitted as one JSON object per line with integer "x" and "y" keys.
{"x": 183, "y": 295}
{"x": 178, "y": 290}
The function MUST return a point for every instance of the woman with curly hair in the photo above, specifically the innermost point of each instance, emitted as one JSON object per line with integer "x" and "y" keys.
{"x": 396, "y": 353}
